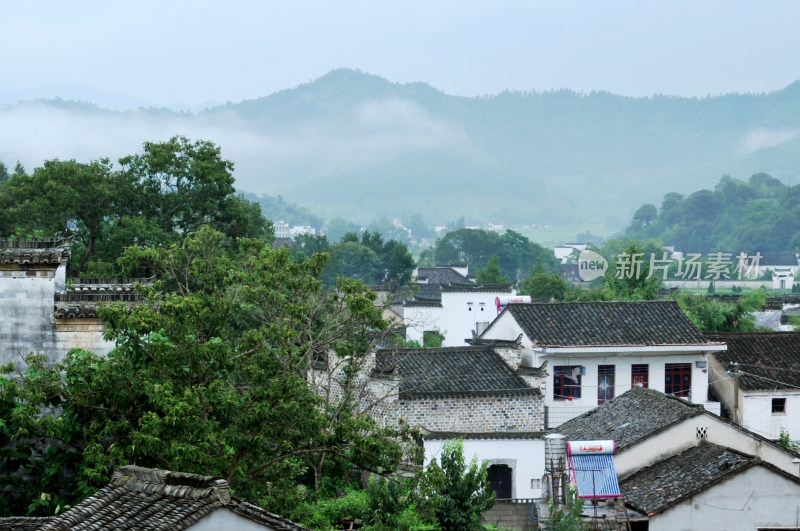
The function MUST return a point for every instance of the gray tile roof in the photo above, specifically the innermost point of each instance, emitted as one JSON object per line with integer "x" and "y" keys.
{"x": 450, "y": 371}
{"x": 148, "y": 499}
{"x": 41, "y": 251}
{"x": 82, "y": 297}
{"x": 658, "y": 487}
{"x": 441, "y": 275}
{"x": 638, "y": 323}
{"x": 21, "y": 523}
{"x": 767, "y": 360}
{"x": 630, "y": 418}
{"x": 476, "y": 288}
{"x": 778, "y": 259}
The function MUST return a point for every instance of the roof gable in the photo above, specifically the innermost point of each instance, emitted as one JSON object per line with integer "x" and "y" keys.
{"x": 144, "y": 498}
{"x": 767, "y": 360}
{"x": 666, "y": 483}
{"x": 450, "y": 371}
{"x": 628, "y": 323}
{"x": 441, "y": 275}
{"x": 630, "y": 418}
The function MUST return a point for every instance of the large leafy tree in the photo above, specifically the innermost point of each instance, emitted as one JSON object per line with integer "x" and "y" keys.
{"x": 460, "y": 491}
{"x": 62, "y": 198}
{"x": 516, "y": 253}
{"x": 159, "y": 196}
{"x": 366, "y": 257}
{"x": 210, "y": 375}
{"x": 491, "y": 274}
{"x": 711, "y": 315}
{"x": 545, "y": 286}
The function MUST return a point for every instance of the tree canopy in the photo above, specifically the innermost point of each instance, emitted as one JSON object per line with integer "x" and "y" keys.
{"x": 209, "y": 375}
{"x": 757, "y": 215}
{"x": 159, "y": 196}
{"x": 516, "y": 253}
{"x": 365, "y": 257}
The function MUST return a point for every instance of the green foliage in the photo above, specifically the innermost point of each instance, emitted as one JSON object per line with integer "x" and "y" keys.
{"x": 459, "y": 492}
{"x": 353, "y": 505}
{"x": 516, "y": 253}
{"x": 545, "y": 286}
{"x": 785, "y": 440}
{"x": 210, "y": 375}
{"x": 4, "y": 175}
{"x": 364, "y": 257}
{"x": 710, "y": 290}
{"x": 710, "y": 315}
{"x": 432, "y": 339}
{"x": 628, "y": 270}
{"x": 166, "y": 193}
{"x": 491, "y": 274}
{"x": 737, "y": 216}
{"x": 570, "y": 520}
{"x": 387, "y": 504}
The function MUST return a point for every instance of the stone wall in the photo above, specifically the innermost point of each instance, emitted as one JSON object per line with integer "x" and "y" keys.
{"x": 474, "y": 414}
{"x": 379, "y": 397}
{"x": 511, "y": 514}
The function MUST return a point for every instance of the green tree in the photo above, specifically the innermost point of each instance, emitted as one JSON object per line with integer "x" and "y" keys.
{"x": 629, "y": 269}
{"x": 432, "y": 339}
{"x": 210, "y": 375}
{"x": 711, "y": 315}
{"x": 645, "y": 215}
{"x": 516, "y": 253}
{"x": 491, "y": 274}
{"x": 545, "y": 286}
{"x": 460, "y": 493}
{"x": 63, "y": 198}
{"x": 166, "y": 193}
{"x": 4, "y": 175}
{"x": 338, "y": 227}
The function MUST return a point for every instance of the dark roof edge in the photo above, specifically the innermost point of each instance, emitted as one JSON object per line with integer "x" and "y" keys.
{"x": 444, "y": 435}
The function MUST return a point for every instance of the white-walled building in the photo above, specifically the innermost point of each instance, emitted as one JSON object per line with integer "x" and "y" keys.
{"x": 713, "y": 487}
{"x": 41, "y": 311}
{"x": 284, "y": 230}
{"x": 768, "y": 400}
{"x": 447, "y": 301}
{"x": 516, "y": 459}
{"x": 462, "y": 310}
{"x": 598, "y": 350}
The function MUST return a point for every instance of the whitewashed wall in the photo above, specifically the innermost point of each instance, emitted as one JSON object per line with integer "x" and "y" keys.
{"x": 756, "y": 406}
{"x": 26, "y": 309}
{"x": 622, "y": 363}
{"x": 753, "y": 499}
{"x": 757, "y": 413}
{"x": 226, "y": 520}
{"x": 456, "y": 318}
{"x": 524, "y": 456}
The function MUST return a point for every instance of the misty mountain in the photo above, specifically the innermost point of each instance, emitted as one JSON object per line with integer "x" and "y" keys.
{"x": 358, "y": 146}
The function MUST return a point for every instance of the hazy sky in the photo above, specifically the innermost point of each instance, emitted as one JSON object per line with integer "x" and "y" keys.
{"x": 196, "y": 52}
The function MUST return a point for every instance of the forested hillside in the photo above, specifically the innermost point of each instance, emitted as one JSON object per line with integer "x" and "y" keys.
{"x": 360, "y": 147}
{"x": 760, "y": 214}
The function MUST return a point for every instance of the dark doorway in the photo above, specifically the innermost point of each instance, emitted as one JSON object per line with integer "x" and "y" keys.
{"x": 500, "y": 478}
